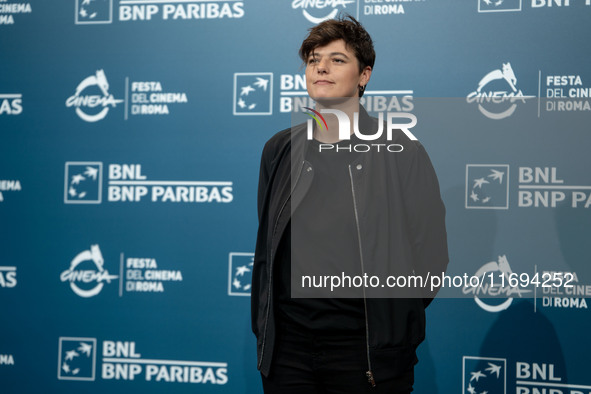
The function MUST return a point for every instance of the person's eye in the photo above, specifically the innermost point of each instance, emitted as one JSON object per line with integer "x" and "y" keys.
{"x": 312, "y": 60}
{"x": 338, "y": 60}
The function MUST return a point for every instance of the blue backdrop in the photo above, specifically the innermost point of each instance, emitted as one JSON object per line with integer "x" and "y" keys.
{"x": 130, "y": 139}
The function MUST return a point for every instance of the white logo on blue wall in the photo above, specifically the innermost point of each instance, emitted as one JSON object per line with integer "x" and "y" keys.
{"x": 487, "y": 186}
{"x": 494, "y": 294}
{"x": 497, "y": 95}
{"x": 253, "y": 94}
{"x": 240, "y": 273}
{"x": 94, "y": 11}
{"x": 141, "y": 10}
{"x": 87, "y": 274}
{"x": 76, "y": 359}
{"x": 9, "y": 11}
{"x": 11, "y": 104}
{"x": 317, "y": 11}
{"x": 6, "y": 359}
{"x": 484, "y": 375}
{"x": 145, "y": 275}
{"x": 9, "y": 185}
{"x": 92, "y": 99}
{"x": 499, "y": 5}
{"x": 7, "y": 276}
{"x": 83, "y": 182}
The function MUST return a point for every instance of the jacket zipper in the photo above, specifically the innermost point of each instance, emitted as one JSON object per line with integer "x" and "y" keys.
{"x": 271, "y": 270}
{"x": 369, "y": 373}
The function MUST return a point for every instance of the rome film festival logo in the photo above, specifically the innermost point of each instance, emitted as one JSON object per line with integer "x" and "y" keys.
{"x": 253, "y": 94}
{"x": 496, "y": 101}
{"x": 499, "y": 289}
{"x": 487, "y": 186}
{"x": 481, "y": 375}
{"x": 76, "y": 359}
{"x": 6, "y": 359}
{"x": 86, "y": 104}
{"x": 94, "y": 11}
{"x": 87, "y": 268}
{"x": 499, "y": 5}
{"x": 240, "y": 273}
{"x": 9, "y": 185}
{"x": 322, "y": 9}
{"x": 83, "y": 182}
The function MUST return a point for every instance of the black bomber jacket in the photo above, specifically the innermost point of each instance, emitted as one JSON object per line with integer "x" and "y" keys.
{"x": 400, "y": 187}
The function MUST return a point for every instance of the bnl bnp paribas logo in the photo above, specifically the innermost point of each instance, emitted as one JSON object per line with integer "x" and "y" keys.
{"x": 121, "y": 361}
{"x": 499, "y": 5}
{"x": 87, "y": 274}
{"x": 127, "y": 183}
{"x": 101, "y": 11}
{"x": 253, "y": 93}
{"x": 316, "y": 11}
{"x": 92, "y": 99}
{"x": 94, "y": 11}
{"x": 484, "y": 375}
{"x": 516, "y": 5}
{"x": 240, "y": 273}
{"x": 7, "y": 276}
{"x": 11, "y": 103}
{"x": 488, "y": 375}
{"x": 76, "y": 359}
{"x": 83, "y": 182}
{"x": 487, "y": 187}
{"x": 497, "y": 95}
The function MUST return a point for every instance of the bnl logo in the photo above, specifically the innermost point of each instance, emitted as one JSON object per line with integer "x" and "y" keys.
{"x": 484, "y": 375}
{"x": 499, "y": 5}
{"x": 83, "y": 182}
{"x": 240, "y": 273}
{"x": 253, "y": 94}
{"x": 76, "y": 358}
{"x": 94, "y": 11}
{"x": 487, "y": 186}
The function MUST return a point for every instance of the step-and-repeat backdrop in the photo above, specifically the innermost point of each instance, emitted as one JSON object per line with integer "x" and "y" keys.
{"x": 130, "y": 140}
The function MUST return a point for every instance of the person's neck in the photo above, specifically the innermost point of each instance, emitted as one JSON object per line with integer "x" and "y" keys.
{"x": 331, "y": 134}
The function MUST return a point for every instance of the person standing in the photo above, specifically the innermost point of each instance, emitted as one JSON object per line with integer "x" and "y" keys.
{"x": 325, "y": 205}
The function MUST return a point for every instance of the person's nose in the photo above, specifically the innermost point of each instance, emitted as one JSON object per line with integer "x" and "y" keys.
{"x": 323, "y": 66}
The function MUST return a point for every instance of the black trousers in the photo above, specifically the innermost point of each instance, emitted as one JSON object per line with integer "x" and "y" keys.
{"x": 306, "y": 363}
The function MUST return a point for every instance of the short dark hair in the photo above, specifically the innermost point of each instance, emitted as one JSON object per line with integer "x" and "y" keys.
{"x": 349, "y": 30}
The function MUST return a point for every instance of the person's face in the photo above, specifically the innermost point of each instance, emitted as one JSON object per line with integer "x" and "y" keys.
{"x": 333, "y": 71}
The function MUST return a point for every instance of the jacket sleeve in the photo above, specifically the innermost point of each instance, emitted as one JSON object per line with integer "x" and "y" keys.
{"x": 263, "y": 179}
{"x": 425, "y": 215}
{"x": 259, "y": 274}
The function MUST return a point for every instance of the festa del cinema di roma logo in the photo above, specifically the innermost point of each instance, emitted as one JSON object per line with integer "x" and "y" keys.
{"x": 497, "y": 291}
{"x": 494, "y": 100}
{"x": 86, "y": 274}
{"x": 323, "y": 9}
{"x": 92, "y": 99}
